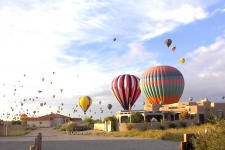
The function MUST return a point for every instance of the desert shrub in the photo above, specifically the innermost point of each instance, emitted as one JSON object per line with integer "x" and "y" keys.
{"x": 70, "y": 126}
{"x": 14, "y": 122}
{"x": 211, "y": 118}
{"x": 162, "y": 127}
{"x": 183, "y": 124}
{"x": 172, "y": 125}
{"x": 184, "y": 115}
{"x": 129, "y": 126}
{"x": 213, "y": 139}
{"x": 154, "y": 120}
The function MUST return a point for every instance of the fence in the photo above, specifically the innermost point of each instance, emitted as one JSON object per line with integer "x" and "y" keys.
{"x": 7, "y": 129}
{"x": 37, "y": 143}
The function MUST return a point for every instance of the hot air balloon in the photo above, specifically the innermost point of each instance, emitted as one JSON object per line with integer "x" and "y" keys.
{"x": 223, "y": 97}
{"x": 173, "y": 48}
{"x": 126, "y": 90}
{"x": 182, "y": 60}
{"x": 114, "y": 39}
{"x": 61, "y": 90}
{"x": 43, "y": 79}
{"x": 190, "y": 98}
{"x": 143, "y": 103}
{"x": 53, "y": 96}
{"x": 85, "y": 102}
{"x": 168, "y": 42}
{"x": 162, "y": 84}
{"x": 109, "y": 106}
{"x": 99, "y": 102}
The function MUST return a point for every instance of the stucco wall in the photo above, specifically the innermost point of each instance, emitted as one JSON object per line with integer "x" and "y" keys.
{"x": 99, "y": 126}
{"x": 40, "y": 123}
{"x": 9, "y": 129}
{"x": 154, "y": 125}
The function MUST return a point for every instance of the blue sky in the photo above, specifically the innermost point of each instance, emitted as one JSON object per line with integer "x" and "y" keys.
{"x": 74, "y": 39}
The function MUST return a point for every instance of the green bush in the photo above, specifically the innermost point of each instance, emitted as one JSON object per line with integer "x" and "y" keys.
{"x": 162, "y": 127}
{"x": 172, "y": 125}
{"x": 212, "y": 138}
{"x": 183, "y": 124}
{"x": 70, "y": 126}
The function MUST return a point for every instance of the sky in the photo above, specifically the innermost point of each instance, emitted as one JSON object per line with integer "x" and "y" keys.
{"x": 70, "y": 44}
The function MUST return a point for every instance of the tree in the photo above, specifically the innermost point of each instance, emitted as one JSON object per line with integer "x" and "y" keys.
{"x": 113, "y": 121}
{"x": 89, "y": 122}
{"x": 136, "y": 117}
{"x": 184, "y": 115}
{"x": 211, "y": 118}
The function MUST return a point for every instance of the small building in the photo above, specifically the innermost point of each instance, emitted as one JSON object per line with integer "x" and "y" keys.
{"x": 51, "y": 120}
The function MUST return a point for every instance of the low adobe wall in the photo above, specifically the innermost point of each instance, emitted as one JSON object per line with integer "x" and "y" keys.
{"x": 99, "y": 126}
{"x": 7, "y": 129}
{"x": 154, "y": 125}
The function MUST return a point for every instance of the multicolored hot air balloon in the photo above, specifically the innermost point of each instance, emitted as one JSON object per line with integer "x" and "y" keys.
{"x": 162, "y": 84}
{"x": 168, "y": 42}
{"x": 109, "y": 106}
{"x": 126, "y": 89}
{"x": 85, "y": 102}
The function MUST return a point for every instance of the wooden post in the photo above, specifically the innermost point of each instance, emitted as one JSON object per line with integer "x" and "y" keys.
{"x": 32, "y": 147}
{"x": 187, "y": 144}
{"x": 39, "y": 136}
{"x": 183, "y": 145}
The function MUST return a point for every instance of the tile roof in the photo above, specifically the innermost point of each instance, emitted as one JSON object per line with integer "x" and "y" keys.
{"x": 51, "y": 117}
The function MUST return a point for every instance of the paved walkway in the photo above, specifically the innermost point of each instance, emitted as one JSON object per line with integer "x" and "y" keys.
{"x": 52, "y": 140}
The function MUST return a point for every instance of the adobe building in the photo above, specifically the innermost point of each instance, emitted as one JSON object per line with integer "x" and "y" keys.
{"x": 198, "y": 111}
{"x": 51, "y": 120}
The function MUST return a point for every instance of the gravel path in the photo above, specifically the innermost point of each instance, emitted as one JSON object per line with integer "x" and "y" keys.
{"x": 52, "y": 140}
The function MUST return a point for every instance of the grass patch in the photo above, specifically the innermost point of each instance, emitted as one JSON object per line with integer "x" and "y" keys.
{"x": 19, "y": 133}
{"x": 168, "y": 134}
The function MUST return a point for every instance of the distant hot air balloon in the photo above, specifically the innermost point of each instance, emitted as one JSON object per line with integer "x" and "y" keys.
{"x": 168, "y": 42}
{"x": 114, "y": 39}
{"x": 143, "y": 103}
{"x": 223, "y": 97}
{"x": 162, "y": 84}
{"x": 61, "y": 90}
{"x": 190, "y": 98}
{"x": 182, "y": 60}
{"x": 109, "y": 106}
{"x": 99, "y": 102}
{"x": 173, "y": 48}
{"x": 85, "y": 102}
{"x": 43, "y": 79}
{"x": 126, "y": 90}
{"x": 53, "y": 96}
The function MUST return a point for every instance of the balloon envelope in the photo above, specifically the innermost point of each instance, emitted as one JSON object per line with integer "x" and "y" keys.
{"x": 168, "y": 42}
{"x": 109, "y": 106}
{"x": 85, "y": 102}
{"x": 126, "y": 89}
{"x": 162, "y": 84}
{"x": 182, "y": 60}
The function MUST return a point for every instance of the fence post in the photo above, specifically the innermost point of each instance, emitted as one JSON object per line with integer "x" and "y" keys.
{"x": 186, "y": 144}
{"x": 32, "y": 147}
{"x": 39, "y": 137}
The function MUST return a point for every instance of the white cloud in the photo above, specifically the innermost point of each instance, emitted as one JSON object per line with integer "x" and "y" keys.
{"x": 39, "y": 38}
{"x": 204, "y": 72}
